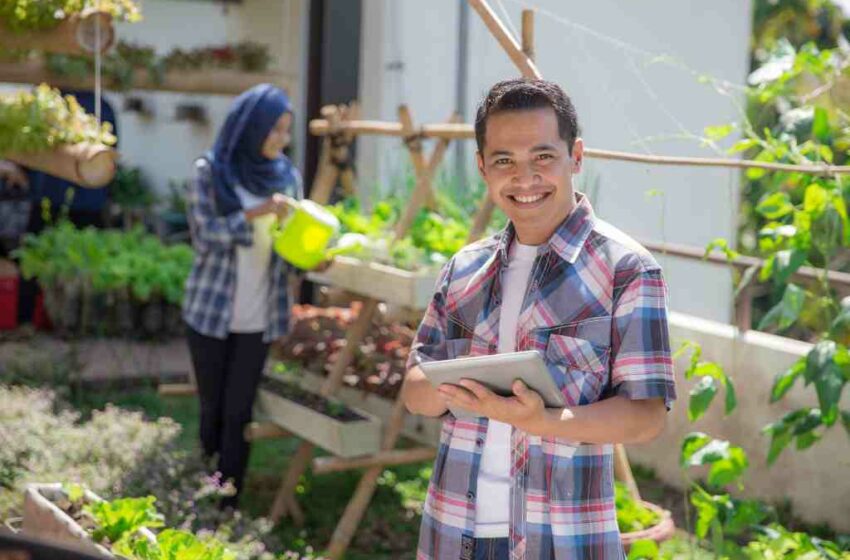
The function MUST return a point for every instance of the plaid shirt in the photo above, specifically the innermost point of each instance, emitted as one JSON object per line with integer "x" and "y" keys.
{"x": 596, "y": 309}
{"x": 207, "y": 305}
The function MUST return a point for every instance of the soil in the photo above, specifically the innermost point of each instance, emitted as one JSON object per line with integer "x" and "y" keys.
{"x": 313, "y": 401}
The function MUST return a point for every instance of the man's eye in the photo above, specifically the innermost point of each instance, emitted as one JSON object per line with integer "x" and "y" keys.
{"x": 545, "y": 156}
{"x": 502, "y": 161}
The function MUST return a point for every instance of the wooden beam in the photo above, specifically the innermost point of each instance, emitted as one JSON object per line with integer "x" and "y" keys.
{"x": 525, "y": 65}
{"x": 324, "y": 465}
{"x": 264, "y": 430}
{"x": 528, "y": 33}
{"x": 177, "y": 389}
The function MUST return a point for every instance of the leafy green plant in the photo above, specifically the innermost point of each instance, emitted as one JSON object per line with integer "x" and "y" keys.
{"x": 174, "y": 544}
{"x": 631, "y": 514}
{"x": 778, "y": 543}
{"x": 123, "y": 516}
{"x": 129, "y": 190}
{"x": 42, "y": 119}
{"x": 22, "y": 15}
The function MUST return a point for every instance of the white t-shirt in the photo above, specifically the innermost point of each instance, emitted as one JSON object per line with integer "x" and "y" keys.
{"x": 492, "y": 502}
{"x": 251, "y": 296}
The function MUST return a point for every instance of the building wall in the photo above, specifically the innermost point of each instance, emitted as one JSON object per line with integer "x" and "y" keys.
{"x": 409, "y": 54}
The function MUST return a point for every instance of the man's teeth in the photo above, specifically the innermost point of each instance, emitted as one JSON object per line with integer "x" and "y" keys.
{"x": 528, "y": 199}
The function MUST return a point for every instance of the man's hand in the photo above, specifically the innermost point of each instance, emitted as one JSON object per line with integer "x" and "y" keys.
{"x": 13, "y": 175}
{"x": 525, "y": 409}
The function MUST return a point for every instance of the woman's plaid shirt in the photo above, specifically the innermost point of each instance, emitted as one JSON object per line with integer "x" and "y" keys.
{"x": 208, "y": 303}
{"x": 596, "y": 309}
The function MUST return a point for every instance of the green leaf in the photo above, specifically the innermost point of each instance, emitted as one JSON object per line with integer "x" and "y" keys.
{"x": 787, "y": 311}
{"x": 731, "y": 401}
{"x": 729, "y": 469}
{"x": 788, "y": 261}
{"x": 783, "y": 382}
{"x": 700, "y": 398}
{"x": 718, "y": 132}
{"x": 743, "y": 145}
{"x": 845, "y": 420}
{"x": 775, "y": 205}
{"x": 691, "y": 443}
{"x": 815, "y": 199}
{"x": 711, "y": 452}
{"x": 780, "y": 437}
{"x": 723, "y": 245}
{"x": 829, "y": 385}
{"x": 706, "y": 511}
{"x": 644, "y": 549}
{"x": 820, "y": 125}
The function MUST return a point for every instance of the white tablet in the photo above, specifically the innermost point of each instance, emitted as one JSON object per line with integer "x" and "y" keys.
{"x": 497, "y": 372}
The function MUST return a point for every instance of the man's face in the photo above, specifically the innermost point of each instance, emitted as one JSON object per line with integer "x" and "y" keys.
{"x": 528, "y": 170}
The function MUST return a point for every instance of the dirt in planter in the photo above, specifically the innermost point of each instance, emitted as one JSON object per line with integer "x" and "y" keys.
{"x": 313, "y": 401}
{"x": 75, "y": 511}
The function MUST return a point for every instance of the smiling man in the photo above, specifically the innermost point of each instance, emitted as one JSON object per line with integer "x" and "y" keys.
{"x": 521, "y": 480}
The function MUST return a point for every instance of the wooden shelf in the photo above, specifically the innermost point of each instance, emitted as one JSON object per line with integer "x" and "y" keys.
{"x": 213, "y": 81}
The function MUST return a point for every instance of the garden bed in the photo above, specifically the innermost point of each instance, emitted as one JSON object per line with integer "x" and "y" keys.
{"x": 330, "y": 424}
{"x": 379, "y": 281}
{"x": 50, "y": 514}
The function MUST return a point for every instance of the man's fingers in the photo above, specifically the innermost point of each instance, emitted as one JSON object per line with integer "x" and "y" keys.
{"x": 477, "y": 389}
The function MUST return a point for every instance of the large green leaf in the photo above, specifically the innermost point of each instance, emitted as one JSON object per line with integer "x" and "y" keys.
{"x": 788, "y": 262}
{"x": 701, "y": 396}
{"x": 690, "y": 444}
{"x": 787, "y": 311}
{"x": 644, "y": 549}
{"x": 785, "y": 380}
{"x": 707, "y": 511}
{"x": 815, "y": 199}
{"x": 728, "y": 469}
{"x": 775, "y": 205}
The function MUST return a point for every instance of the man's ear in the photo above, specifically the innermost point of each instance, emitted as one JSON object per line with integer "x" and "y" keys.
{"x": 577, "y": 155}
{"x": 479, "y": 159}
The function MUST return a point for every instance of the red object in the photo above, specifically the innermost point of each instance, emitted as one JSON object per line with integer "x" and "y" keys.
{"x": 9, "y": 287}
{"x": 40, "y": 319}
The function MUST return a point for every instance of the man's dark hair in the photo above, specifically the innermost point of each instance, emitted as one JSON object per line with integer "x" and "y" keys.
{"x": 522, "y": 94}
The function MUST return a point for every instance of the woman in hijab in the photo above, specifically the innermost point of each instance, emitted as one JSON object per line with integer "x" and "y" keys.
{"x": 236, "y": 299}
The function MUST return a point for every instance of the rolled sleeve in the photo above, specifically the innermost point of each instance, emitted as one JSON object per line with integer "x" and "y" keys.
{"x": 642, "y": 366}
{"x": 429, "y": 344}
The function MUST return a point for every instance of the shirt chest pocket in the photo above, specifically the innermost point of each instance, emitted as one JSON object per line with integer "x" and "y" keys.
{"x": 579, "y": 367}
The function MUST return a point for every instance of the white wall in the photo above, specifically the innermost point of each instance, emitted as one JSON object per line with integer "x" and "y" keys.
{"x": 615, "y": 108}
{"x": 814, "y": 481}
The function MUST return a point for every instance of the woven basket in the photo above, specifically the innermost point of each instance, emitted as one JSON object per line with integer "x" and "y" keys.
{"x": 661, "y": 531}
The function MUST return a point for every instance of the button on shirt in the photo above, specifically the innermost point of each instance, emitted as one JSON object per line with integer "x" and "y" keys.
{"x": 596, "y": 310}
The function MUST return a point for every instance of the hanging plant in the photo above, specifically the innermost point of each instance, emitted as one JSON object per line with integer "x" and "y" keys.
{"x": 32, "y": 15}
{"x": 43, "y": 119}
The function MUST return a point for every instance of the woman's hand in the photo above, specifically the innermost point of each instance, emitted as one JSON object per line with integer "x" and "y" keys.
{"x": 277, "y": 203}
{"x": 13, "y": 175}
{"x": 322, "y": 266}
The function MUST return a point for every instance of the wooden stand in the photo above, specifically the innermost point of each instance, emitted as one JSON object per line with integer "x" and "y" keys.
{"x": 88, "y": 165}
{"x": 212, "y": 81}
{"x": 82, "y": 34}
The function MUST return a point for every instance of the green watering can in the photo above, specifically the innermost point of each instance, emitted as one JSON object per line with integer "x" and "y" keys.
{"x": 303, "y": 237}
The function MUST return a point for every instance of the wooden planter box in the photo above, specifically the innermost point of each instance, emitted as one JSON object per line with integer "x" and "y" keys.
{"x": 381, "y": 282}
{"x": 77, "y": 34}
{"x": 43, "y": 519}
{"x": 661, "y": 531}
{"x": 344, "y": 438}
{"x": 420, "y": 429}
{"x": 89, "y": 165}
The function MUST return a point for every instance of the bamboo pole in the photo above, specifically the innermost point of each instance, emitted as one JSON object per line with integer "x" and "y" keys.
{"x": 176, "y": 389}
{"x": 88, "y": 165}
{"x": 264, "y": 430}
{"x": 482, "y": 218}
{"x": 77, "y": 34}
{"x": 325, "y": 465}
{"x": 285, "y": 501}
{"x": 466, "y": 131}
{"x": 327, "y": 172}
{"x": 528, "y": 33}
{"x": 525, "y": 65}
{"x": 353, "y": 514}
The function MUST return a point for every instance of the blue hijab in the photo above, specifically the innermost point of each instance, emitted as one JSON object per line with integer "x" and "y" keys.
{"x": 236, "y": 159}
